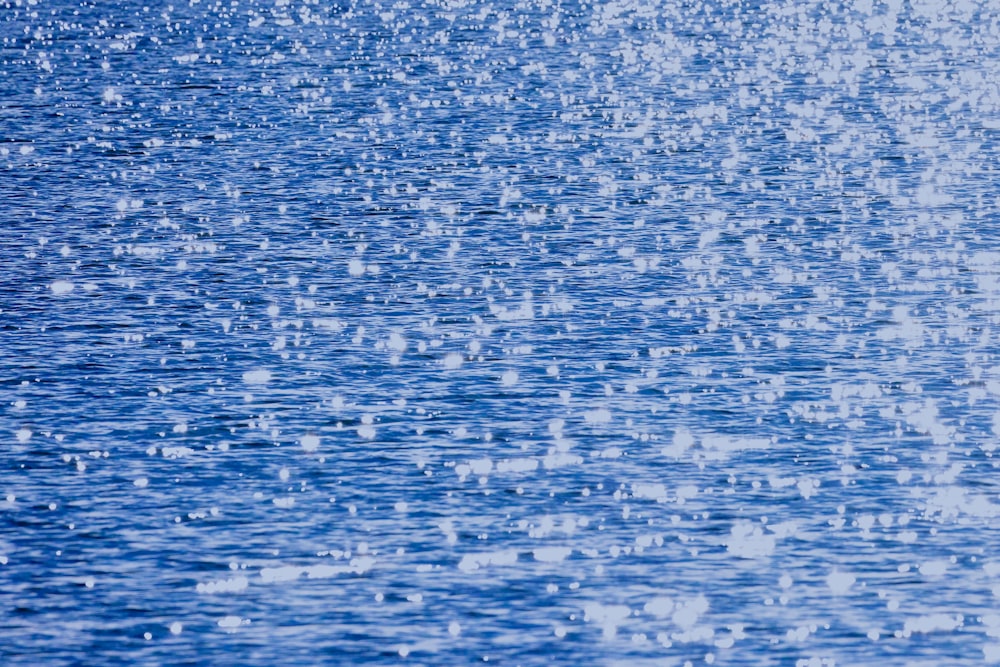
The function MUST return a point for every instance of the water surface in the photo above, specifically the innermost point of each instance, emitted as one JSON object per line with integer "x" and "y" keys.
{"x": 453, "y": 332}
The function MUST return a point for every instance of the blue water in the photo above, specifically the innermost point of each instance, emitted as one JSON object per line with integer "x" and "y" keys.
{"x": 521, "y": 333}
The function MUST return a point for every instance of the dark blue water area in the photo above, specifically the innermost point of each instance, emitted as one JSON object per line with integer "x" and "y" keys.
{"x": 452, "y": 332}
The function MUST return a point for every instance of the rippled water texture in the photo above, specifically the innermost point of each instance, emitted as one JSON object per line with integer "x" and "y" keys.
{"x": 522, "y": 332}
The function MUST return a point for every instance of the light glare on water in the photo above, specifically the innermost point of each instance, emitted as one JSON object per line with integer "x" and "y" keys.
{"x": 453, "y": 331}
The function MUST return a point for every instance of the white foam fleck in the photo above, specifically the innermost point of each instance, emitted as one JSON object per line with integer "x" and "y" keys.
{"x": 517, "y": 465}
{"x": 309, "y": 442}
{"x": 231, "y": 623}
{"x": 358, "y": 565}
{"x": 597, "y": 416}
{"x": 660, "y": 606}
{"x": 257, "y": 376}
{"x": 231, "y": 585}
{"x": 560, "y": 460}
{"x": 934, "y": 568}
{"x": 551, "y": 554}
{"x": 657, "y": 492}
{"x": 749, "y": 541}
{"x": 688, "y": 612}
{"x": 330, "y": 324}
{"x": 609, "y": 617}
{"x": 177, "y": 452}
{"x": 938, "y": 622}
{"x": 270, "y": 575}
{"x": 475, "y": 561}
{"x": 61, "y": 287}
{"x": 397, "y": 343}
{"x": 682, "y": 441}
{"x": 807, "y": 487}
{"x": 839, "y": 582}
